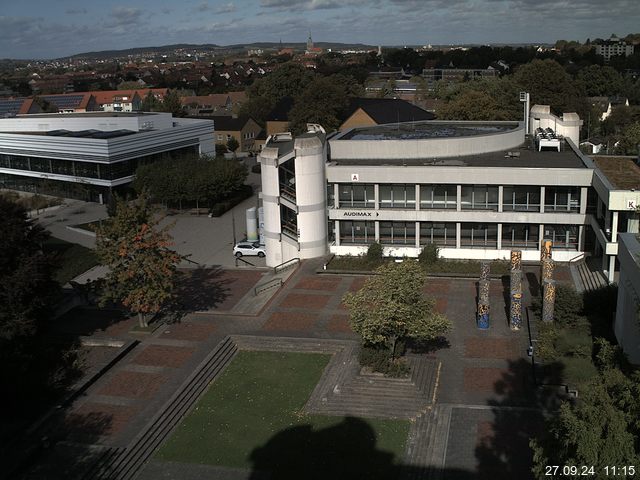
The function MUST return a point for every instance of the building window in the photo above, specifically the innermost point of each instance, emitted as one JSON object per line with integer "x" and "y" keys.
{"x": 521, "y": 199}
{"x": 357, "y": 233}
{"x": 564, "y": 237}
{"x": 443, "y": 234}
{"x": 438, "y": 196}
{"x": 228, "y": 137}
{"x": 479, "y": 197}
{"x": 398, "y": 233}
{"x": 356, "y": 196}
{"x": 397, "y": 196}
{"x": 289, "y": 221}
{"x": 220, "y": 137}
{"x": 562, "y": 199}
{"x": 479, "y": 235}
{"x": 520, "y": 235}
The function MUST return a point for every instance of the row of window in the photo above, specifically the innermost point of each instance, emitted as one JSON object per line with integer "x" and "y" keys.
{"x": 75, "y": 168}
{"x": 474, "y": 235}
{"x": 472, "y": 197}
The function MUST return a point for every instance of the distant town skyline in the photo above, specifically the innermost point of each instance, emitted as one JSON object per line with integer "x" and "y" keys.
{"x": 44, "y": 29}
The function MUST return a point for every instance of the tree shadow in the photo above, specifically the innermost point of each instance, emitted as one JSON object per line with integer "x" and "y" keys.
{"x": 502, "y": 449}
{"x": 345, "y": 451}
{"x": 427, "y": 346}
{"x": 534, "y": 284}
{"x": 66, "y": 451}
{"x": 197, "y": 290}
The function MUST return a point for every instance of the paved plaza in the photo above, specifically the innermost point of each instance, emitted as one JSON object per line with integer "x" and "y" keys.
{"x": 474, "y": 419}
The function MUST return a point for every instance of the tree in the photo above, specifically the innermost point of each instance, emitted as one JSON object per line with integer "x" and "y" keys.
{"x": 630, "y": 140}
{"x": 391, "y": 307}
{"x": 28, "y": 292}
{"x": 26, "y": 284}
{"x": 233, "y": 145}
{"x": 142, "y": 269}
{"x": 150, "y": 103}
{"x": 549, "y": 84}
{"x": 601, "y": 81}
{"x": 171, "y": 103}
{"x": 323, "y": 101}
{"x": 600, "y": 429}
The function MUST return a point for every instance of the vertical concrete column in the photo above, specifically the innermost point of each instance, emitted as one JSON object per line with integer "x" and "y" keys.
{"x": 499, "y": 244}
{"x": 612, "y": 268}
{"x": 500, "y": 201}
{"x": 540, "y": 236}
{"x": 614, "y": 227}
{"x": 417, "y": 197}
{"x": 542, "y": 190}
{"x": 483, "y": 304}
{"x": 336, "y": 195}
{"x": 581, "y": 238}
{"x": 516, "y": 259}
{"x": 377, "y": 230}
{"x": 632, "y": 222}
{"x": 548, "y": 300}
{"x": 458, "y": 229}
{"x": 336, "y": 229}
{"x": 459, "y": 199}
{"x": 583, "y": 200}
{"x": 376, "y": 194}
{"x": 418, "y": 235}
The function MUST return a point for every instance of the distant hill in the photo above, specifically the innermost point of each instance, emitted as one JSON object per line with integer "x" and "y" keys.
{"x": 166, "y": 49}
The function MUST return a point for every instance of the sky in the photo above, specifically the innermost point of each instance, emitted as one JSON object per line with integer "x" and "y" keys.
{"x": 44, "y": 29}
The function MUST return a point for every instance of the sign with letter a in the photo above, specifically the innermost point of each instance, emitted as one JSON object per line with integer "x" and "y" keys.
{"x": 355, "y": 177}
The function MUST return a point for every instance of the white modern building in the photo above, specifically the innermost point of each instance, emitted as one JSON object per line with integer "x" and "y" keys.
{"x": 627, "y": 326}
{"x": 475, "y": 189}
{"x": 88, "y": 155}
{"x": 613, "y": 47}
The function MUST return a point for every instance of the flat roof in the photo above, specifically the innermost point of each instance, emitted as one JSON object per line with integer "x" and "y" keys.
{"x": 88, "y": 114}
{"x": 427, "y": 130}
{"x": 524, "y": 158}
{"x": 622, "y": 172}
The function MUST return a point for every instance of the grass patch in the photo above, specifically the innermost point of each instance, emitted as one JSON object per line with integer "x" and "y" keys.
{"x": 73, "y": 259}
{"x": 251, "y": 417}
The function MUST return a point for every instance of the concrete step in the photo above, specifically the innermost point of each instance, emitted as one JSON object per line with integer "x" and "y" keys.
{"x": 127, "y": 464}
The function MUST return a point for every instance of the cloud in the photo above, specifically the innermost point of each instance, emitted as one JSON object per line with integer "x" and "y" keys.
{"x": 125, "y": 15}
{"x": 227, "y": 8}
{"x": 76, "y": 11}
{"x": 305, "y": 4}
{"x": 203, "y": 7}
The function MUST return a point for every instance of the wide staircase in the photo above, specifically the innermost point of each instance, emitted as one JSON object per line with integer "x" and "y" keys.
{"x": 587, "y": 275}
{"x": 123, "y": 464}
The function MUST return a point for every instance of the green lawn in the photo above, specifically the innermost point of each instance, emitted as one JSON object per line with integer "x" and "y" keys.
{"x": 251, "y": 418}
{"x": 73, "y": 259}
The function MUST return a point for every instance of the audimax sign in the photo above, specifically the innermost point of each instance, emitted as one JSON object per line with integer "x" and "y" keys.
{"x": 359, "y": 214}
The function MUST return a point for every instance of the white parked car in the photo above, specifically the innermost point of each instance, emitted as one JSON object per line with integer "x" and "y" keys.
{"x": 249, "y": 249}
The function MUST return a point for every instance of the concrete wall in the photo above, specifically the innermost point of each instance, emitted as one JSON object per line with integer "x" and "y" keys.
{"x": 431, "y": 147}
{"x": 268, "y": 160}
{"x": 97, "y": 121}
{"x": 567, "y": 126}
{"x": 626, "y": 326}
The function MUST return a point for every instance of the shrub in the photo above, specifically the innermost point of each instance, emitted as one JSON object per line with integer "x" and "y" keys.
{"x": 568, "y": 307}
{"x": 374, "y": 252}
{"x": 379, "y": 360}
{"x": 429, "y": 254}
{"x": 574, "y": 342}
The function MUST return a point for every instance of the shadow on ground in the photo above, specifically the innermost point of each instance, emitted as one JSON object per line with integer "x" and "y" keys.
{"x": 502, "y": 449}
{"x": 200, "y": 289}
{"x": 346, "y": 451}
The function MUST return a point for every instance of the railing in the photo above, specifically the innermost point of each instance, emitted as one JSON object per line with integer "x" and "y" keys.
{"x": 275, "y": 283}
{"x": 577, "y": 257}
{"x": 286, "y": 265}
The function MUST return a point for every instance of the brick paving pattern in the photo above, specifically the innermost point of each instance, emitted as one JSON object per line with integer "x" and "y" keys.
{"x": 291, "y": 321}
{"x": 311, "y": 302}
{"x": 132, "y": 384}
{"x": 163, "y": 356}
{"x": 481, "y": 371}
{"x": 189, "y": 331}
{"x": 491, "y": 348}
